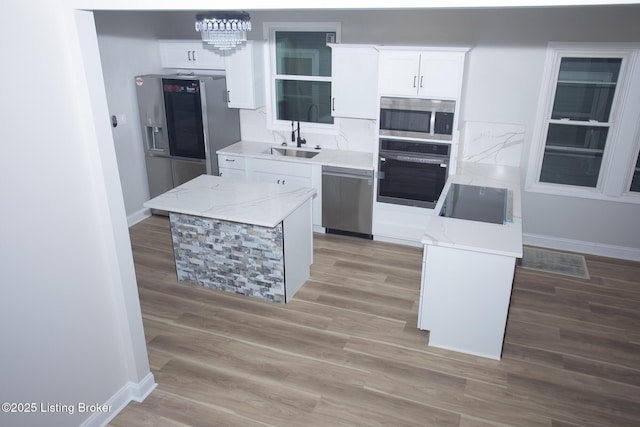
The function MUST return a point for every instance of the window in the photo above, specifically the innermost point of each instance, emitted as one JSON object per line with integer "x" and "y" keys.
{"x": 635, "y": 177}
{"x": 301, "y": 73}
{"x": 580, "y": 120}
{"x": 580, "y": 147}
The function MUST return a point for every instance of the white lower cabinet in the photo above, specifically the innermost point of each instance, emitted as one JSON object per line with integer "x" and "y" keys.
{"x": 464, "y": 299}
{"x": 282, "y": 172}
{"x": 232, "y": 166}
{"x": 232, "y": 173}
{"x": 292, "y": 181}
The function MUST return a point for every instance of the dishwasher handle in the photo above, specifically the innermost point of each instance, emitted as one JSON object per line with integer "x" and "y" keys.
{"x": 347, "y": 172}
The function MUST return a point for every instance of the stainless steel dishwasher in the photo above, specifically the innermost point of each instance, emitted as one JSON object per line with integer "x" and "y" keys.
{"x": 347, "y": 201}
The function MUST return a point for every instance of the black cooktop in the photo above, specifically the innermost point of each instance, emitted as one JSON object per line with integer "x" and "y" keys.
{"x": 476, "y": 203}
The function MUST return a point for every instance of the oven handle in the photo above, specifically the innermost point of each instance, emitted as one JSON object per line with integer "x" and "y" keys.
{"x": 412, "y": 159}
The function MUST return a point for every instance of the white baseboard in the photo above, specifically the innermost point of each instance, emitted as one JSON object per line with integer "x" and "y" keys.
{"x": 612, "y": 251}
{"x": 136, "y": 392}
{"x": 138, "y": 216}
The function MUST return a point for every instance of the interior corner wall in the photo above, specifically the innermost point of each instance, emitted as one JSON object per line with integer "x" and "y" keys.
{"x": 128, "y": 48}
{"x": 60, "y": 314}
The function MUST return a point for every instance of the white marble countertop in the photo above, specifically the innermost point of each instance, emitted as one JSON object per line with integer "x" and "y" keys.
{"x": 229, "y": 199}
{"x": 499, "y": 239}
{"x": 326, "y": 156}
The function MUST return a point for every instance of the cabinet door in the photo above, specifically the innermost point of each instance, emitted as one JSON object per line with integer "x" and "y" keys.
{"x": 354, "y": 86}
{"x": 190, "y": 55}
{"x": 244, "y": 72}
{"x": 398, "y": 72}
{"x": 440, "y": 74}
{"x": 231, "y": 173}
{"x": 287, "y": 180}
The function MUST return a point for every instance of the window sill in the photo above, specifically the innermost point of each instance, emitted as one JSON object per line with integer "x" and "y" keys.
{"x": 582, "y": 193}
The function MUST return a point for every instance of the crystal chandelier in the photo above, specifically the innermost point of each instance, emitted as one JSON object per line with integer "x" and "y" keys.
{"x": 223, "y": 30}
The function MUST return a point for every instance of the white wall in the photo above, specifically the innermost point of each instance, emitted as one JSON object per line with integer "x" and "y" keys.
{"x": 69, "y": 314}
{"x": 123, "y": 57}
{"x": 504, "y": 74}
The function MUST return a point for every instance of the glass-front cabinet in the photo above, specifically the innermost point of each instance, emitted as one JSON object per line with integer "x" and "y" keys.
{"x": 580, "y": 120}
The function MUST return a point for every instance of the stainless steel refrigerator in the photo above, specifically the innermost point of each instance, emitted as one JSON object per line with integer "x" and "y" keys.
{"x": 184, "y": 120}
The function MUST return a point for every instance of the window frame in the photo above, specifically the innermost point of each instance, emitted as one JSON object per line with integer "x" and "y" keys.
{"x": 270, "y": 29}
{"x": 622, "y": 139}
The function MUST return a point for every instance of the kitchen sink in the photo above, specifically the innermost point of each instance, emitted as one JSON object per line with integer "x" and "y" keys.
{"x": 290, "y": 152}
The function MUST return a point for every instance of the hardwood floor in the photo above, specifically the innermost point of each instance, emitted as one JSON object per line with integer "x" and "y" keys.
{"x": 346, "y": 351}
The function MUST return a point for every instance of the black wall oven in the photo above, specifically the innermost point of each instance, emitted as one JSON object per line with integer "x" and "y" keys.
{"x": 412, "y": 173}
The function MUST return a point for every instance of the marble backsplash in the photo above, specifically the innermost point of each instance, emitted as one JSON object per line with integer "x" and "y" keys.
{"x": 492, "y": 143}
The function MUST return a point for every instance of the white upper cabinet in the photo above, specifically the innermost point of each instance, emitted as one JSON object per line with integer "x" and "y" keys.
{"x": 424, "y": 73}
{"x": 189, "y": 54}
{"x": 354, "y": 86}
{"x": 245, "y": 76}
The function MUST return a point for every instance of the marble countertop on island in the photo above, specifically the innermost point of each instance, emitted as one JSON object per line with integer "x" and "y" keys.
{"x": 498, "y": 239}
{"x": 325, "y": 157}
{"x": 228, "y": 199}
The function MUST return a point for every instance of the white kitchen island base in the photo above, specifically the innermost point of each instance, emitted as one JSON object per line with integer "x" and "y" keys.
{"x": 464, "y": 299}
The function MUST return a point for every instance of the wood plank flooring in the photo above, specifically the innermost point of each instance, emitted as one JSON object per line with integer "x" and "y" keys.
{"x": 346, "y": 351}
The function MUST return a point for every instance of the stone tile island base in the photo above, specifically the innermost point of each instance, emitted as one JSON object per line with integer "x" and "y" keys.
{"x": 270, "y": 263}
{"x": 242, "y": 258}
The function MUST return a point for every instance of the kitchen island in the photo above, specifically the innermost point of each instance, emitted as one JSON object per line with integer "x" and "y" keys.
{"x": 468, "y": 265}
{"x": 249, "y": 238}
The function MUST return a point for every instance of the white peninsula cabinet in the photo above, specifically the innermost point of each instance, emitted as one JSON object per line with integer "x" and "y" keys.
{"x": 354, "y": 84}
{"x": 424, "y": 73}
{"x": 468, "y": 264}
{"x": 245, "y": 76}
{"x": 189, "y": 54}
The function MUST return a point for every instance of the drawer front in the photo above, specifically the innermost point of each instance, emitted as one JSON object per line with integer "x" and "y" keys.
{"x": 231, "y": 162}
{"x": 281, "y": 167}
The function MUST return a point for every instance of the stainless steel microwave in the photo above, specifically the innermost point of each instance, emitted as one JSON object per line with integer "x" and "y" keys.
{"x": 417, "y": 118}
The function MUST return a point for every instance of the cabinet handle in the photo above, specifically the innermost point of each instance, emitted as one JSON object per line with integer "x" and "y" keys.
{"x": 193, "y": 54}
{"x": 414, "y": 81}
{"x": 278, "y": 181}
{"x": 421, "y": 78}
{"x": 333, "y": 104}
{"x": 283, "y": 182}
{"x": 188, "y": 55}
{"x": 229, "y": 160}
{"x": 228, "y": 96}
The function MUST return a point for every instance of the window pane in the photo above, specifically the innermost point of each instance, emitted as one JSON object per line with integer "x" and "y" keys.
{"x": 303, "y": 53}
{"x": 635, "y": 183}
{"x": 304, "y": 101}
{"x": 585, "y": 88}
{"x": 573, "y": 154}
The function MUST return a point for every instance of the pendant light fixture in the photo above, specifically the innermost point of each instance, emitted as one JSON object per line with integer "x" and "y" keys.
{"x": 223, "y": 30}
